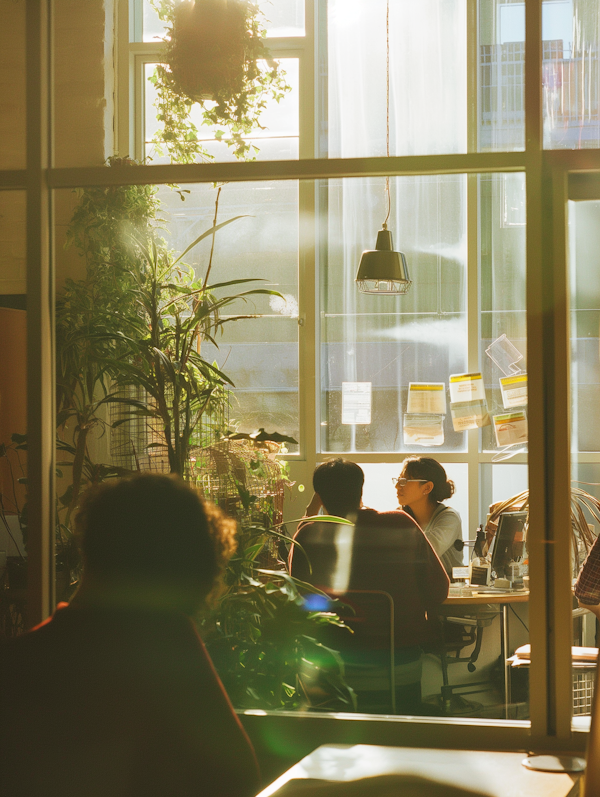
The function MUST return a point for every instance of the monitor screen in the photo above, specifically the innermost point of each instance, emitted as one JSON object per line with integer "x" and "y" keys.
{"x": 509, "y": 543}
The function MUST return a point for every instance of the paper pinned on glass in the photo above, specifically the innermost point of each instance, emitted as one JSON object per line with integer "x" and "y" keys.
{"x": 356, "y": 403}
{"x": 426, "y": 398}
{"x": 423, "y": 430}
{"x": 505, "y": 355}
{"x": 510, "y": 428}
{"x": 466, "y": 387}
{"x": 514, "y": 391}
{"x": 469, "y": 415}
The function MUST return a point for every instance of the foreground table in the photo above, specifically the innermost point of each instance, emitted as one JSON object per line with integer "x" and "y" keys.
{"x": 491, "y": 774}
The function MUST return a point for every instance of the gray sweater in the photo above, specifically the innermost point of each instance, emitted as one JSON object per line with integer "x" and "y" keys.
{"x": 442, "y": 530}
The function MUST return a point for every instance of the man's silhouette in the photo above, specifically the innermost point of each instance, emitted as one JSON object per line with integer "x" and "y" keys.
{"x": 114, "y": 695}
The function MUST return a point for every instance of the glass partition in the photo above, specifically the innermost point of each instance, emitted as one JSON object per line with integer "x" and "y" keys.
{"x": 585, "y": 444}
{"x": 342, "y": 372}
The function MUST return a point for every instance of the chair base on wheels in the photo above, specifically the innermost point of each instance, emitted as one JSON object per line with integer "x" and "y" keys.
{"x": 459, "y": 632}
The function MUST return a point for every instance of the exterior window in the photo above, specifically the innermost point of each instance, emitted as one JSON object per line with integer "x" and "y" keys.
{"x": 283, "y": 18}
{"x": 389, "y": 342}
{"x": 259, "y": 355}
{"x": 570, "y": 78}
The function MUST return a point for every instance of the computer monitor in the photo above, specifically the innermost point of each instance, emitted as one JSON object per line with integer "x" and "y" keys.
{"x": 509, "y": 542}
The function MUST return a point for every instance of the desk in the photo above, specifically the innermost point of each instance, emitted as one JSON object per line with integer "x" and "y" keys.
{"x": 492, "y": 774}
{"x": 503, "y": 599}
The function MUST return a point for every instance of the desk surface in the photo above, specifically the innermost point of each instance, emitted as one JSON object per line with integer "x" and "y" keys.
{"x": 485, "y": 773}
{"x": 521, "y": 596}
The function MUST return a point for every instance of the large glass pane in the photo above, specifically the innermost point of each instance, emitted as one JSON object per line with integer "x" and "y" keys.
{"x": 427, "y": 103}
{"x": 584, "y": 219}
{"x": 387, "y": 342}
{"x": 571, "y": 74}
{"x": 570, "y": 79}
{"x": 280, "y": 18}
{"x": 585, "y": 442}
{"x": 503, "y": 310}
{"x": 260, "y": 354}
{"x": 501, "y": 75}
{"x": 13, "y": 413}
{"x": 500, "y": 482}
{"x": 283, "y": 17}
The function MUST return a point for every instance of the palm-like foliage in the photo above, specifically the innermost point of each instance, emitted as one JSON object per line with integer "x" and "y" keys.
{"x": 175, "y": 313}
{"x": 581, "y": 536}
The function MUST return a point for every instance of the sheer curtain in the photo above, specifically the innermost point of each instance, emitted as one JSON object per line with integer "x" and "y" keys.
{"x": 390, "y": 341}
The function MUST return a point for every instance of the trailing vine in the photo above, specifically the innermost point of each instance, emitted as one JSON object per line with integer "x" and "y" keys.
{"x": 215, "y": 56}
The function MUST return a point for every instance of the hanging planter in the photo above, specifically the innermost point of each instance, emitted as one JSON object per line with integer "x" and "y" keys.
{"x": 207, "y": 49}
{"x": 216, "y": 56}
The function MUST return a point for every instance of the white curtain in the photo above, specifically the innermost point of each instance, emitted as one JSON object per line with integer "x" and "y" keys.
{"x": 365, "y": 336}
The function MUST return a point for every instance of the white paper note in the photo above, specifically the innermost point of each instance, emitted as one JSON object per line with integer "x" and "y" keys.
{"x": 466, "y": 387}
{"x": 426, "y": 398}
{"x": 514, "y": 391}
{"x": 469, "y": 415}
{"x": 423, "y": 430}
{"x": 510, "y": 428}
{"x": 356, "y": 403}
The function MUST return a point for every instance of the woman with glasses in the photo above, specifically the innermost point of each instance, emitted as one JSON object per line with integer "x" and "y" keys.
{"x": 422, "y": 487}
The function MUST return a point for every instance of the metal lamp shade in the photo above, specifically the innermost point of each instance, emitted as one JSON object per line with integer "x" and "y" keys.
{"x": 382, "y": 270}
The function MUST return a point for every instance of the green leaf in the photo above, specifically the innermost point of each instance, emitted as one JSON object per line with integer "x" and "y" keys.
{"x": 66, "y": 498}
{"x": 208, "y": 232}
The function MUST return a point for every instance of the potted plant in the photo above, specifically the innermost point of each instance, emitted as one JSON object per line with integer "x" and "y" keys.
{"x": 215, "y": 55}
{"x": 584, "y": 506}
{"x": 175, "y": 312}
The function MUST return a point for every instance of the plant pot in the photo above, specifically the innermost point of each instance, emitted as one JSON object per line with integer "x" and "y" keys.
{"x": 207, "y": 55}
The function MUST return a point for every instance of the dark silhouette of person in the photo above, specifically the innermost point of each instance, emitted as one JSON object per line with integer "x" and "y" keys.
{"x": 115, "y": 695}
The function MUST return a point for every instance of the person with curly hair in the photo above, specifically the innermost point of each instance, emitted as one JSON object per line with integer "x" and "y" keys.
{"x": 115, "y": 693}
{"x": 422, "y": 487}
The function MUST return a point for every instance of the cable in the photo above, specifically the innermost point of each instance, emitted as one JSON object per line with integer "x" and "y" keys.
{"x": 387, "y": 107}
{"x": 518, "y": 618}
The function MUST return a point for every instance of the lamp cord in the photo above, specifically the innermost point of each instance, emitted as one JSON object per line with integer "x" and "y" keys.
{"x": 387, "y": 129}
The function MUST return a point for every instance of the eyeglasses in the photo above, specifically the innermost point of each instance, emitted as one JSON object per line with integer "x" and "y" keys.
{"x": 402, "y": 482}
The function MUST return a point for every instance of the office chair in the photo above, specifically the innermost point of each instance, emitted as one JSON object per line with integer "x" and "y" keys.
{"x": 459, "y": 632}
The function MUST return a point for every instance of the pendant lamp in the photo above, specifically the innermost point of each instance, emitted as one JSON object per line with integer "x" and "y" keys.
{"x": 382, "y": 270}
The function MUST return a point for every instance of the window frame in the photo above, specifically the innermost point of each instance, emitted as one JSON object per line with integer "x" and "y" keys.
{"x": 552, "y": 177}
